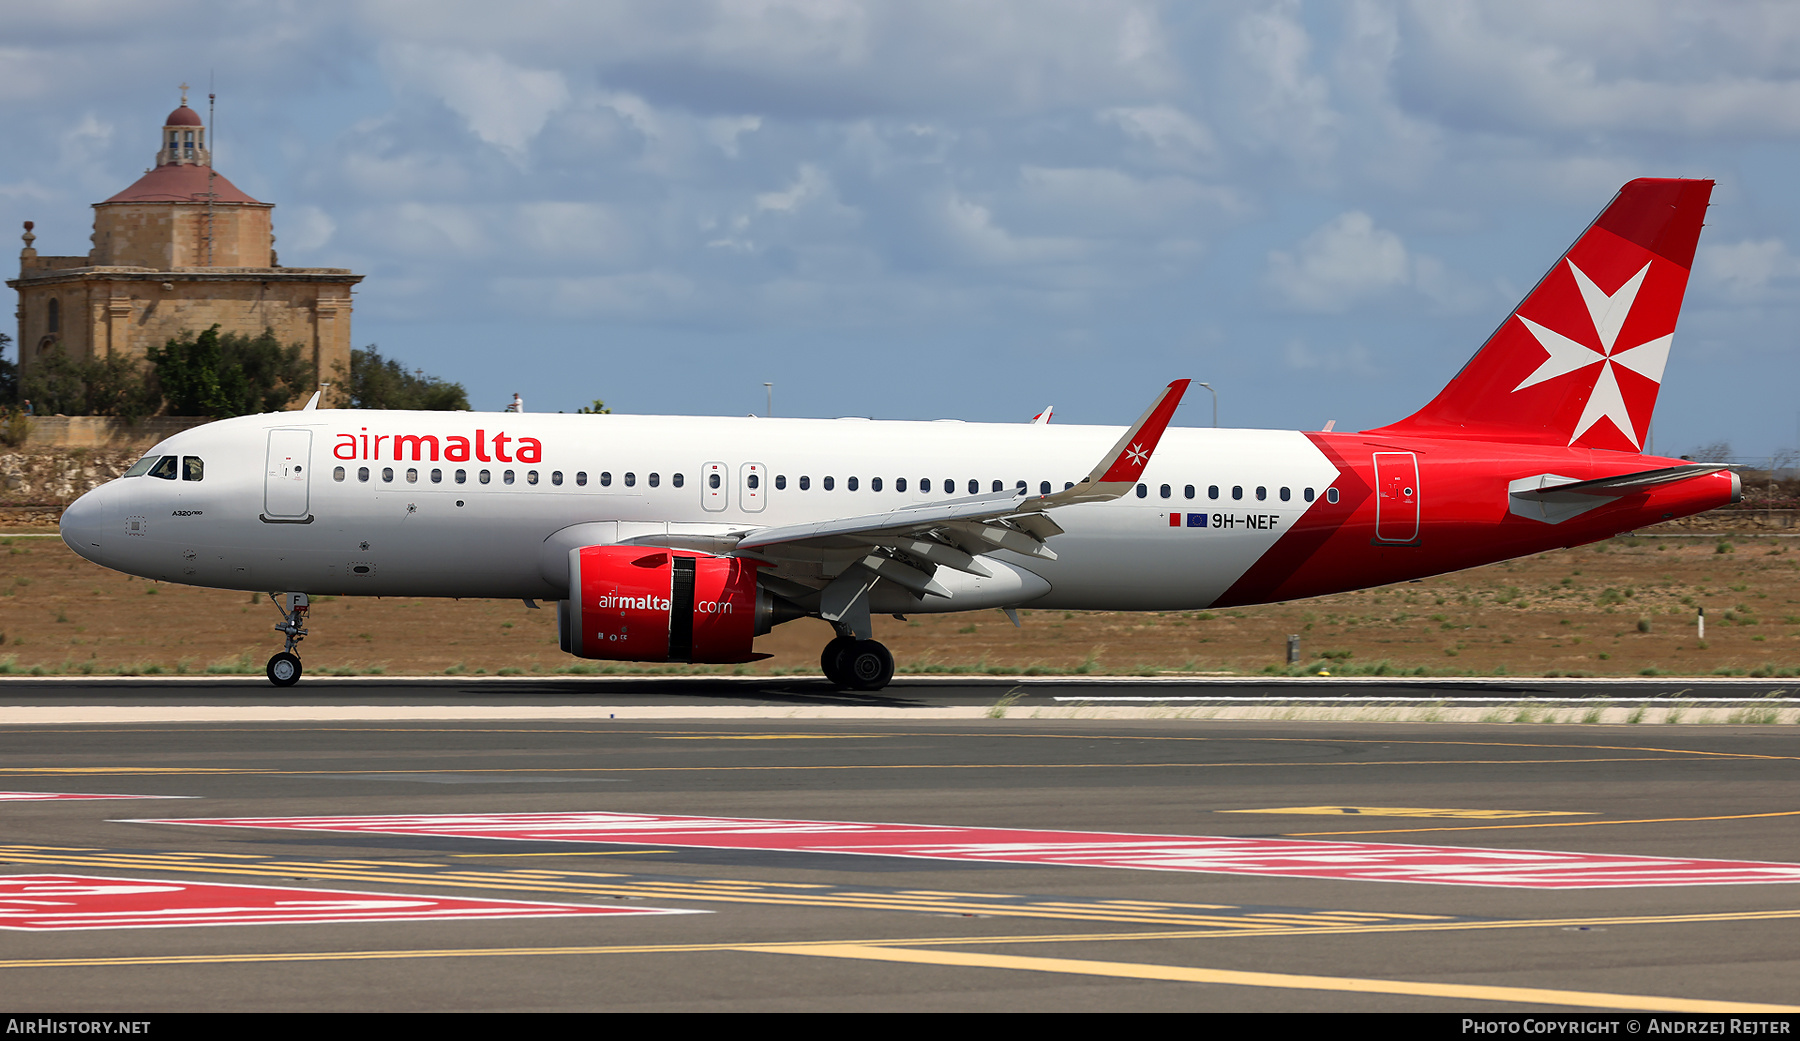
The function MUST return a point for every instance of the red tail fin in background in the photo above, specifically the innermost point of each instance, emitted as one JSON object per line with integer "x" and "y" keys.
{"x": 1580, "y": 360}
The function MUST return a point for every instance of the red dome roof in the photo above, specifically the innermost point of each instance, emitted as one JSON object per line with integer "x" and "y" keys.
{"x": 183, "y": 182}
{"x": 183, "y": 117}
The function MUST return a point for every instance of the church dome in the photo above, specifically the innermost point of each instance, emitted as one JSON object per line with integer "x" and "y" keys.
{"x": 183, "y": 117}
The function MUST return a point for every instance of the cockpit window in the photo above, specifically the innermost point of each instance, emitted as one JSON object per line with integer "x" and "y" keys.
{"x": 142, "y": 466}
{"x": 165, "y": 467}
{"x": 192, "y": 469}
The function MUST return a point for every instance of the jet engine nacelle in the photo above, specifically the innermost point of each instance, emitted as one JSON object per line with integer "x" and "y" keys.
{"x": 638, "y": 603}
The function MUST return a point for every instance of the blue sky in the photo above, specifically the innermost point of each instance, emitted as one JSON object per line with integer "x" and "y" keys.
{"x": 962, "y": 209}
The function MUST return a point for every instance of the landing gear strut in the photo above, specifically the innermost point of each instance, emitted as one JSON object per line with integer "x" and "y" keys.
{"x": 284, "y": 668}
{"x": 857, "y": 664}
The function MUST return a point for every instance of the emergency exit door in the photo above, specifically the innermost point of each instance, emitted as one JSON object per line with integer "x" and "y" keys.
{"x": 1396, "y": 497}
{"x": 713, "y": 490}
{"x": 752, "y": 487}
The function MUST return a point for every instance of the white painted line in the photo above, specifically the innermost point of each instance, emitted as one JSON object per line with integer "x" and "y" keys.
{"x": 1408, "y": 699}
{"x": 257, "y": 681}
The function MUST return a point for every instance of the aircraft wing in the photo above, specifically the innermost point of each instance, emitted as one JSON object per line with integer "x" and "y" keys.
{"x": 907, "y": 545}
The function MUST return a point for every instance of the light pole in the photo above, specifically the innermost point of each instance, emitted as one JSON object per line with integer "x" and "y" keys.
{"x": 1215, "y": 395}
{"x": 769, "y": 413}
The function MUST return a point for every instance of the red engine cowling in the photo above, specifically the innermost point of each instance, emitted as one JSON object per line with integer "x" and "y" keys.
{"x": 635, "y": 603}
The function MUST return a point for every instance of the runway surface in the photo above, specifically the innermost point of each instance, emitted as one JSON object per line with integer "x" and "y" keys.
{"x": 1048, "y": 864}
{"x": 906, "y": 693}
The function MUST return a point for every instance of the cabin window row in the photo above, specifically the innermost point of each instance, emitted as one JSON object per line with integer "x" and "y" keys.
{"x": 166, "y": 467}
{"x": 411, "y": 475}
{"x": 949, "y": 485}
{"x": 1237, "y": 492}
{"x": 629, "y": 479}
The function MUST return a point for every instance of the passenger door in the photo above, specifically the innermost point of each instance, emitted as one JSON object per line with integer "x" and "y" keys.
{"x": 288, "y": 476}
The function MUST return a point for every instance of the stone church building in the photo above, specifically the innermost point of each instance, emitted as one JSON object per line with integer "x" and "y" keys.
{"x": 179, "y": 251}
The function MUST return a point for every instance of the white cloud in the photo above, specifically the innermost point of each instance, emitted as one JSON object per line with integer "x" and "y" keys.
{"x": 1106, "y": 203}
{"x": 303, "y": 229}
{"x": 428, "y": 232}
{"x": 503, "y": 104}
{"x": 726, "y": 130}
{"x": 557, "y": 233}
{"x": 822, "y": 57}
{"x": 1345, "y": 261}
{"x": 1349, "y": 360}
{"x": 1060, "y": 170}
{"x": 82, "y": 144}
{"x": 26, "y": 190}
{"x": 634, "y": 295}
{"x": 1748, "y": 271}
{"x": 1280, "y": 102}
{"x": 377, "y": 171}
{"x": 1449, "y": 291}
{"x": 1349, "y": 261}
{"x": 973, "y": 236}
{"x": 810, "y": 183}
{"x": 1658, "y": 68}
{"x": 1175, "y": 138}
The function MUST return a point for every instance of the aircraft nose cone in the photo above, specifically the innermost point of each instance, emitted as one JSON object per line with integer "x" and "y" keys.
{"x": 82, "y": 523}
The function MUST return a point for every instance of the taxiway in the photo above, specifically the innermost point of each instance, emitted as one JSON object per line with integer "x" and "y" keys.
{"x": 797, "y": 923}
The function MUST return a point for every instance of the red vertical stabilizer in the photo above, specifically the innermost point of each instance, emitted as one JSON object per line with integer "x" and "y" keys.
{"x": 1580, "y": 360}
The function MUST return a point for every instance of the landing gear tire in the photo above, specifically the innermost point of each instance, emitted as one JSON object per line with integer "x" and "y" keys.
{"x": 867, "y": 665}
{"x": 284, "y": 670}
{"x": 831, "y": 660}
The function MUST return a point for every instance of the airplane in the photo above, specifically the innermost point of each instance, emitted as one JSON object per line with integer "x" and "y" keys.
{"x": 682, "y": 539}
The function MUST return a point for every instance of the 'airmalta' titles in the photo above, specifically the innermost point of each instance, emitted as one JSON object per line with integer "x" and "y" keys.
{"x": 426, "y": 447}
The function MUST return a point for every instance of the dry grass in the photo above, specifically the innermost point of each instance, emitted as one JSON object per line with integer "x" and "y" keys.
{"x": 1621, "y": 608}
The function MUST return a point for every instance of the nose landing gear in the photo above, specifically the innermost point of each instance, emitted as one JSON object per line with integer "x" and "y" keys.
{"x": 284, "y": 668}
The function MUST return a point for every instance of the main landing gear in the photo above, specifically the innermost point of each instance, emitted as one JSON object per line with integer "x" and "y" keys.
{"x": 284, "y": 668}
{"x": 857, "y": 664}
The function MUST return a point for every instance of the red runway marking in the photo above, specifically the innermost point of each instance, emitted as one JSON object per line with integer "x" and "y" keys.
{"x": 41, "y": 796}
{"x": 51, "y": 902}
{"x": 1364, "y": 861}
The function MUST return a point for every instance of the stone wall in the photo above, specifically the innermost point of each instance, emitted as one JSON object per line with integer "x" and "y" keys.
{"x": 64, "y": 432}
{"x": 125, "y": 311}
{"x": 165, "y": 236}
{"x": 67, "y": 455}
{"x": 54, "y": 478}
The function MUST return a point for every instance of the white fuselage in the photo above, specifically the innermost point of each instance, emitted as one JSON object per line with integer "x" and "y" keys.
{"x": 334, "y": 501}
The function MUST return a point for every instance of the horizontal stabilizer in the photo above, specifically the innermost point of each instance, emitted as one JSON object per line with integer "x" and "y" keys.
{"x": 1552, "y": 498}
{"x": 1622, "y": 484}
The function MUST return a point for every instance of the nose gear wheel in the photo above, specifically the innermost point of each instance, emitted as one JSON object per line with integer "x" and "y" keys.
{"x": 284, "y": 668}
